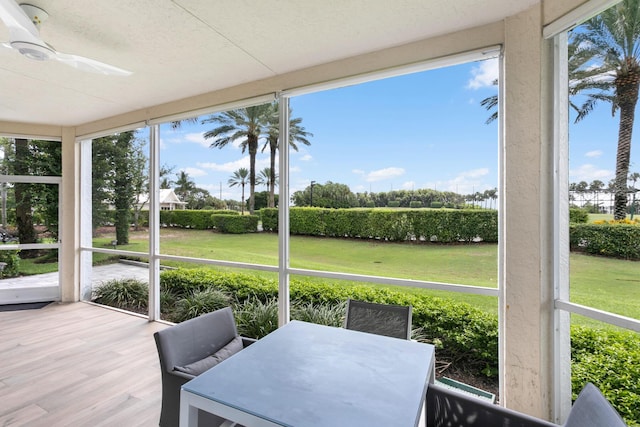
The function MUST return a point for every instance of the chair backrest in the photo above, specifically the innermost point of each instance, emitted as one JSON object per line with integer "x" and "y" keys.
{"x": 195, "y": 339}
{"x": 591, "y": 409}
{"x": 382, "y": 319}
{"x": 452, "y": 408}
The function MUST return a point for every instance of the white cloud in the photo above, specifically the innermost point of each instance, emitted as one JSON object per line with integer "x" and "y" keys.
{"x": 358, "y": 171}
{"x": 194, "y": 172}
{"x": 235, "y": 165}
{"x": 293, "y": 169}
{"x": 594, "y": 153}
{"x": 589, "y": 172}
{"x": 409, "y": 185}
{"x": 197, "y": 138}
{"x": 383, "y": 174}
{"x": 465, "y": 182}
{"x": 306, "y": 158}
{"x": 484, "y": 74}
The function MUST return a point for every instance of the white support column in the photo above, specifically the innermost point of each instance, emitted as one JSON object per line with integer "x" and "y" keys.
{"x": 527, "y": 290}
{"x": 69, "y": 217}
{"x": 560, "y": 160}
{"x": 86, "y": 220}
{"x": 154, "y": 222}
{"x": 283, "y": 213}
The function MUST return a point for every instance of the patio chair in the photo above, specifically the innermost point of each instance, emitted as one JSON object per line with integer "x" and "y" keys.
{"x": 451, "y": 408}
{"x": 189, "y": 348}
{"x": 382, "y": 319}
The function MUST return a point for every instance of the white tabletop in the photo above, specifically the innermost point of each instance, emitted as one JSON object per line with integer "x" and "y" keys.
{"x": 310, "y": 375}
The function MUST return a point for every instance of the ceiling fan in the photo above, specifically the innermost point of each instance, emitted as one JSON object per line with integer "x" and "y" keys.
{"x": 23, "y": 22}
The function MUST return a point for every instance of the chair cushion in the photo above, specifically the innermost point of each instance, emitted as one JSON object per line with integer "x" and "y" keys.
{"x": 198, "y": 367}
{"x": 591, "y": 409}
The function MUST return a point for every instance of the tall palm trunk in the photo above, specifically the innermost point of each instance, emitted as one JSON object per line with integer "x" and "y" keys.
{"x": 273, "y": 145}
{"x": 627, "y": 92}
{"x": 253, "y": 151}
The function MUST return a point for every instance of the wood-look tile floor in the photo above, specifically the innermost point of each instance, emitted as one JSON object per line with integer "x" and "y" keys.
{"x": 78, "y": 365}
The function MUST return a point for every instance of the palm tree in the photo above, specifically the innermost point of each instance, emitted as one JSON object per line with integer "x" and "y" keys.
{"x": 297, "y": 133}
{"x": 245, "y": 124}
{"x": 239, "y": 177}
{"x": 264, "y": 178}
{"x": 609, "y": 45}
{"x": 184, "y": 186}
{"x": 604, "y": 65}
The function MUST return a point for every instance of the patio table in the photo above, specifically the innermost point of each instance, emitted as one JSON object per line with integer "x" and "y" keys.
{"x": 305, "y": 374}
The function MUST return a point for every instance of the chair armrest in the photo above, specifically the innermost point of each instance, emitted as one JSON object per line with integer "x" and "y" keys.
{"x": 183, "y": 375}
{"x": 445, "y": 406}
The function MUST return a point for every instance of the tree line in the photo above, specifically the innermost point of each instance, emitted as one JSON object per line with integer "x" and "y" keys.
{"x": 336, "y": 195}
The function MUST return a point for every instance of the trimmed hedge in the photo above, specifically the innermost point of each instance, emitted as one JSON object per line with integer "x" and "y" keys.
{"x": 193, "y": 219}
{"x": 235, "y": 224}
{"x": 612, "y": 240}
{"x": 442, "y": 225}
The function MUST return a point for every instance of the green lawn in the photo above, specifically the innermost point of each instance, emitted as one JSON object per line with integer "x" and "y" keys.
{"x": 608, "y": 284}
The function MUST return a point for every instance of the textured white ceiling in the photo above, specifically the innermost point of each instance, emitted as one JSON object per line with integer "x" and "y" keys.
{"x": 183, "y": 48}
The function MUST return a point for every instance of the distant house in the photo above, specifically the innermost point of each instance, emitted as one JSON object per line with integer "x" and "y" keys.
{"x": 169, "y": 201}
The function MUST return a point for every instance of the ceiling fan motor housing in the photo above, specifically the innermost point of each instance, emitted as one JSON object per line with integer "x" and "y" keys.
{"x": 33, "y": 51}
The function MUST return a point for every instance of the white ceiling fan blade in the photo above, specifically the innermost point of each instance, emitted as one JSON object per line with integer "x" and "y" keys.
{"x": 90, "y": 65}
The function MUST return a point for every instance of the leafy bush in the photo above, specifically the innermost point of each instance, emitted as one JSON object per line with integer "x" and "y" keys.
{"x": 436, "y": 205}
{"x": 415, "y": 204}
{"x": 11, "y": 258}
{"x": 613, "y": 240}
{"x": 321, "y": 314}
{"x": 393, "y": 204}
{"x": 235, "y": 224}
{"x": 127, "y": 294}
{"x": 578, "y": 216}
{"x": 610, "y": 360}
{"x": 200, "y": 302}
{"x": 256, "y": 318}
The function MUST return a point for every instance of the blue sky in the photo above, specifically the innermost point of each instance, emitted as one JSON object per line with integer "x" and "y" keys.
{"x": 424, "y": 130}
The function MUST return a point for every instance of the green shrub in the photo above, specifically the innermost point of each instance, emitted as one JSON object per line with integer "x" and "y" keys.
{"x": 393, "y": 204}
{"x": 127, "y": 294}
{"x": 612, "y": 240}
{"x": 12, "y": 259}
{"x": 610, "y": 360}
{"x": 256, "y": 318}
{"x": 235, "y": 224}
{"x": 200, "y": 302}
{"x": 321, "y": 314}
{"x": 578, "y": 216}
{"x": 415, "y": 204}
{"x": 436, "y": 205}
{"x": 182, "y": 282}
{"x": 269, "y": 218}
